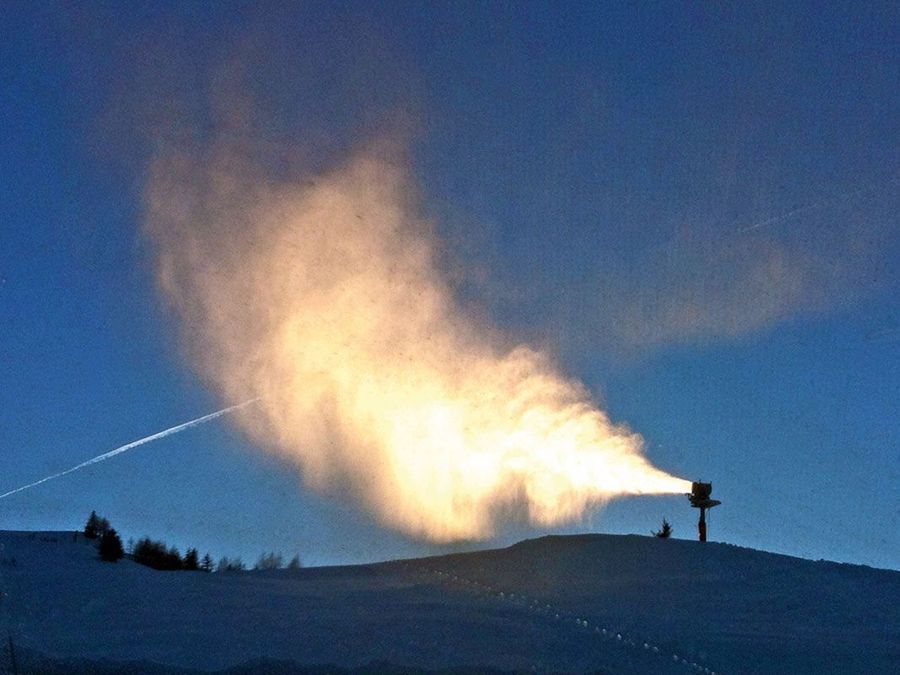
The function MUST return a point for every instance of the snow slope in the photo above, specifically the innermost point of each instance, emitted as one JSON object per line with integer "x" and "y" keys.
{"x": 614, "y": 604}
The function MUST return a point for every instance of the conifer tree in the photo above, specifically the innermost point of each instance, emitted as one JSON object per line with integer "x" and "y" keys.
{"x": 173, "y": 559}
{"x": 110, "y": 547}
{"x": 190, "y": 562}
{"x": 92, "y": 526}
{"x": 102, "y": 526}
{"x": 268, "y": 561}
{"x": 665, "y": 531}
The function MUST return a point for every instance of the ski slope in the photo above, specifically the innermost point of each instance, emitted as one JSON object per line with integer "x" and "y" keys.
{"x": 589, "y": 603}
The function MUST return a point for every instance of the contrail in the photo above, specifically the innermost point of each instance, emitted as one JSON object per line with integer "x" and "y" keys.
{"x": 134, "y": 444}
{"x": 816, "y": 205}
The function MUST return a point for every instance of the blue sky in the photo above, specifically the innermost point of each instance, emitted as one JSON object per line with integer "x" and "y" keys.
{"x": 597, "y": 174}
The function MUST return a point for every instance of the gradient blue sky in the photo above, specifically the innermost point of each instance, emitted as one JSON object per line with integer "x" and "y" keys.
{"x": 609, "y": 181}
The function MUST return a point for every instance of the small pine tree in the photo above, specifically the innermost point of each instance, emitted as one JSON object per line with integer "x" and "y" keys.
{"x": 206, "y": 565}
{"x": 150, "y": 553}
{"x": 155, "y": 554}
{"x": 236, "y": 565}
{"x": 92, "y": 526}
{"x": 294, "y": 564}
{"x": 665, "y": 531}
{"x": 102, "y": 527}
{"x": 190, "y": 562}
{"x": 110, "y": 547}
{"x": 230, "y": 565}
{"x": 173, "y": 559}
{"x": 268, "y": 561}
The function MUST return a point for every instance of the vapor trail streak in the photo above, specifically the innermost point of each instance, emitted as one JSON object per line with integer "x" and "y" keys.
{"x": 134, "y": 444}
{"x": 815, "y": 205}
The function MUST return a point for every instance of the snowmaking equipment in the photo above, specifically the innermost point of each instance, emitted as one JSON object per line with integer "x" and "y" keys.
{"x": 699, "y": 498}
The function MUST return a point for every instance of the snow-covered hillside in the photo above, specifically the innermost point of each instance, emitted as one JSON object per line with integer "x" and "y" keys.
{"x": 613, "y": 604}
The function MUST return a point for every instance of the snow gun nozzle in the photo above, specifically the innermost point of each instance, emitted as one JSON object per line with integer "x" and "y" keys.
{"x": 700, "y": 495}
{"x": 700, "y": 491}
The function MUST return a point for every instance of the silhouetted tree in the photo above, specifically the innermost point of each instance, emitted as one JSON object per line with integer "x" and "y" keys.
{"x": 230, "y": 565}
{"x": 92, "y": 526}
{"x": 155, "y": 554}
{"x": 268, "y": 561}
{"x": 206, "y": 565}
{"x": 190, "y": 562}
{"x": 294, "y": 564}
{"x": 150, "y": 553}
{"x": 665, "y": 531}
{"x": 102, "y": 526}
{"x": 110, "y": 547}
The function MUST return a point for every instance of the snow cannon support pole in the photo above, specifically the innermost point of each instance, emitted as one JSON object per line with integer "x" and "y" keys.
{"x": 699, "y": 498}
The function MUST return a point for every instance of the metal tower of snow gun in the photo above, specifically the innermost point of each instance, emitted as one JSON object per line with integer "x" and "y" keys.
{"x": 699, "y": 497}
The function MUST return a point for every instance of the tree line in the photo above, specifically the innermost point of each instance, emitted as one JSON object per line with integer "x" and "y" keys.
{"x": 159, "y": 556}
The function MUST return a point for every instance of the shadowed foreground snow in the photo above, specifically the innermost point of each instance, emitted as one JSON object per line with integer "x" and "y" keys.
{"x": 591, "y": 603}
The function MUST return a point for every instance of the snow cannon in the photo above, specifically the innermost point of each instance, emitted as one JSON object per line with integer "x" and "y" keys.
{"x": 700, "y": 499}
{"x": 700, "y": 492}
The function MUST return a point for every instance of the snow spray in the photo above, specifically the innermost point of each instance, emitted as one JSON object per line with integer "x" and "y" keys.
{"x": 324, "y": 295}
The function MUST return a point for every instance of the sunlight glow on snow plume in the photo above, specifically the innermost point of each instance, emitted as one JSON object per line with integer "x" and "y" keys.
{"x": 322, "y": 297}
